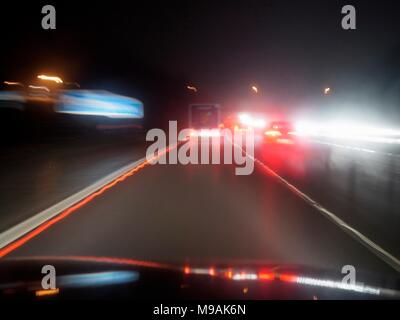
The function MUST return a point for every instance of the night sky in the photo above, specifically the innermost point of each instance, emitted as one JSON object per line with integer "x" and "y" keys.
{"x": 152, "y": 49}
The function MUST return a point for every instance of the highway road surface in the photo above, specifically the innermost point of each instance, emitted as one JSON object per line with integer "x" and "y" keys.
{"x": 202, "y": 214}
{"x": 35, "y": 176}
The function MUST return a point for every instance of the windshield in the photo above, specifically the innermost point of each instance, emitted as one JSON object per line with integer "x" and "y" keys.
{"x": 212, "y": 135}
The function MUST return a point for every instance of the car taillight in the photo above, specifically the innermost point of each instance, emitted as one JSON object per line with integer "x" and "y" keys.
{"x": 273, "y": 133}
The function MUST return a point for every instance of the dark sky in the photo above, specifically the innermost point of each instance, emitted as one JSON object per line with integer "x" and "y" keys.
{"x": 290, "y": 49}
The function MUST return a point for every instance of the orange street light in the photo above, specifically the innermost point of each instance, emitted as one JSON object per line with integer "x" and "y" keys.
{"x": 50, "y": 78}
{"x": 327, "y": 91}
{"x": 12, "y": 83}
{"x": 192, "y": 88}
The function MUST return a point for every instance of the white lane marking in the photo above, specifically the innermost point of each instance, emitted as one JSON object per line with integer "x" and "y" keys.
{"x": 38, "y": 219}
{"x": 368, "y": 243}
{"x": 342, "y": 146}
{"x": 28, "y": 225}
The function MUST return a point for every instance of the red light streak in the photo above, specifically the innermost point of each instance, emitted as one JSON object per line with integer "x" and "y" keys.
{"x": 111, "y": 260}
{"x": 130, "y": 262}
{"x": 288, "y": 278}
{"x": 266, "y": 276}
{"x": 229, "y": 274}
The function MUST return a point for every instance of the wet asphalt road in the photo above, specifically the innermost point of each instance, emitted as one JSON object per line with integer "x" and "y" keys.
{"x": 35, "y": 176}
{"x": 203, "y": 213}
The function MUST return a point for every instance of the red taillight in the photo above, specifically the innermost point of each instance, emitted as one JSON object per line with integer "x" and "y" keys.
{"x": 266, "y": 276}
{"x": 211, "y": 272}
{"x": 288, "y": 277}
{"x": 186, "y": 270}
{"x": 229, "y": 274}
{"x": 273, "y": 133}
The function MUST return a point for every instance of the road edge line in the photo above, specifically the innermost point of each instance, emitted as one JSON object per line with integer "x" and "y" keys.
{"x": 381, "y": 253}
{"x": 12, "y": 234}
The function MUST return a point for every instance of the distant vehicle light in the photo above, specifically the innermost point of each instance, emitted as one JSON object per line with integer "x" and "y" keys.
{"x": 245, "y": 119}
{"x": 348, "y": 131}
{"x": 260, "y": 123}
{"x": 273, "y": 133}
{"x": 206, "y": 133}
{"x": 244, "y": 276}
{"x": 285, "y": 141}
{"x": 266, "y": 276}
{"x": 251, "y": 122}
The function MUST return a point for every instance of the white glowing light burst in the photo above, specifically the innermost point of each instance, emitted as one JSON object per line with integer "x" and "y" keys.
{"x": 245, "y": 276}
{"x": 206, "y": 133}
{"x": 252, "y": 122}
{"x": 348, "y": 131}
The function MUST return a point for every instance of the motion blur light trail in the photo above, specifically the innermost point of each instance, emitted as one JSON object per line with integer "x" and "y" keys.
{"x": 50, "y": 78}
{"x": 47, "y": 292}
{"x": 348, "y": 131}
{"x": 238, "y": 275}
{"x": 30, "y": 235}
{"x": 99, "y": 103}
{"x": 101, "y": 260}
{"x": 97, "y": 279}
{"x": 251, "y": 121}
{"x": 233, "y": 274}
